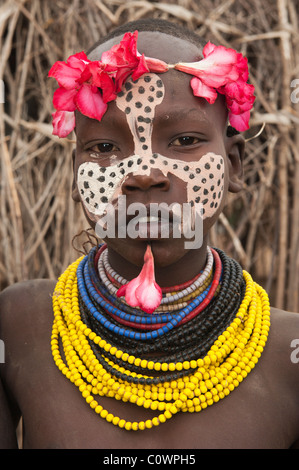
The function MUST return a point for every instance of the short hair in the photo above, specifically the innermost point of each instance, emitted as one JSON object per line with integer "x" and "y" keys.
{"x": 153, "y": 25}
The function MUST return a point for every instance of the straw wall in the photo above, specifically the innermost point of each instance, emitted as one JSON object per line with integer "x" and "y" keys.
{"x": 38, "y": 219}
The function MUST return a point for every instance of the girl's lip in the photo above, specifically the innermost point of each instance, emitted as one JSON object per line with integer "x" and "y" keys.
{"x": 157, "y": 224}
{"x": 154, "y": 227}
{"x": 155, "y": 212}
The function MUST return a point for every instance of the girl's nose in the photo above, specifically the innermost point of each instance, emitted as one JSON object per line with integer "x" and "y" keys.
{"x": 155, "y": 180}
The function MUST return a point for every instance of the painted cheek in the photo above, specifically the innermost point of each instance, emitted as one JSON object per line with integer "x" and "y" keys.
{"x": 207, "y": 185}
{"x": 204, "y": 180}
{"x": 99, "y": 186}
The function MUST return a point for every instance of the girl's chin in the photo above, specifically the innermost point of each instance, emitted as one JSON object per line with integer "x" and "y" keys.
{"x": 165, "y": 251}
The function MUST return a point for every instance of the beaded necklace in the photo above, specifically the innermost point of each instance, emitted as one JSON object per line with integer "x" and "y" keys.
{"x": 209, "y": 346}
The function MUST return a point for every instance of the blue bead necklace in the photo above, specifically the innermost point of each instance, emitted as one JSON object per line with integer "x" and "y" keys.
{"x": 90, "y": 297}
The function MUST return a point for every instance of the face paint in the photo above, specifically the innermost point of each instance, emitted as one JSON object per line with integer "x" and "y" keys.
{"x": 100, "y": 186}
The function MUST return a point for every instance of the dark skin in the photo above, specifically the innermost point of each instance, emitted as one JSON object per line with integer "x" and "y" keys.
{"x": 261, "y": 413}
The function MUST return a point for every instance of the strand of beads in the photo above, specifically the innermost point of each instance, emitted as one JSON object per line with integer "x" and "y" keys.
{"x": 197, "y": 335}
{"x": 232, "y": 356}
{"x": 173, "y": 294}
{"x": 98, "y": 292}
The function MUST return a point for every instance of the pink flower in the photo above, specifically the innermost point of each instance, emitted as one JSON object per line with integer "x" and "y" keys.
{"x": 216, "y": 69}
{"x": 100, "y": 76}
{"x": 156, "y": 65}
{"x": 143, "y": 291}
{"x": 224, "y": 71}
{"x": 68, "y": 73}
{"x": 63, "y": 123}
{"x": 202, "y": 90}
{"x": 239, "y": 121}
{"x": 239, "y": 97}
{"x": 76, "y": 91}
{"x": 126, "y": 60}
{"x": 89, "y": 85}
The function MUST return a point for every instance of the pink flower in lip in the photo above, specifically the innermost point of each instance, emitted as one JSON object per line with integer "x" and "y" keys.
{"x": 143, "y": 291}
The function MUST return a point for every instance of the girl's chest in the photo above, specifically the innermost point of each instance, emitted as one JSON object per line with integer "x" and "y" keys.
{"x": 56, "y": 415}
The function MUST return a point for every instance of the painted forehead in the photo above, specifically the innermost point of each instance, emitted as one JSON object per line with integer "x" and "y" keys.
{"x": 100, "y": 185}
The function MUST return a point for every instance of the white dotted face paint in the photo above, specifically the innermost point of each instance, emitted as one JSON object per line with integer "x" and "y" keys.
{"x": 99, "y": 186}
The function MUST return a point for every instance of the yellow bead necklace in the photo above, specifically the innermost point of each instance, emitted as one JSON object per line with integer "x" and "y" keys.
{"x": 232, "y": 356}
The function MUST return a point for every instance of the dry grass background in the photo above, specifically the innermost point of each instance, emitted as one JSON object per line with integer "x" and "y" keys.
{"x": 38, "y": 219}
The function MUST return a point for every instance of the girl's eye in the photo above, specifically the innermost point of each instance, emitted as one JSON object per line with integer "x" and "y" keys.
{"x": 104, "y": 147}
{"x": 185, "y": 140}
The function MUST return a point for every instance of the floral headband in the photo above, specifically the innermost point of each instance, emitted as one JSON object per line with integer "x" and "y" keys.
{"x": 87, "y": 86}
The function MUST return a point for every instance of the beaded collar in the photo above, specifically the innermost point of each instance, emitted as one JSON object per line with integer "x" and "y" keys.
{"x": 88, "y": 86}
{"x": 209, "y": 346}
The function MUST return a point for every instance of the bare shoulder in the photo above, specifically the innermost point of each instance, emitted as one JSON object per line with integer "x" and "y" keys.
{"x": 24, "y": 307}
{"x": 282, "y": 350}
{"x": 282, "y": 356}
{"x": 284, "y": 326}
{"x": 23, "y": 295}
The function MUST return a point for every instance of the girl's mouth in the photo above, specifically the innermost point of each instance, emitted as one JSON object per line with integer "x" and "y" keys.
{"x": 152, "y": 227}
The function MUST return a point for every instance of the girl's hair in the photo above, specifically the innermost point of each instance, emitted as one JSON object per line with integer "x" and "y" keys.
{"x": 153, "y": 24}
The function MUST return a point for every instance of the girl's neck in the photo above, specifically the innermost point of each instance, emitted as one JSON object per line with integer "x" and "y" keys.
{"x": 182, "y": 270}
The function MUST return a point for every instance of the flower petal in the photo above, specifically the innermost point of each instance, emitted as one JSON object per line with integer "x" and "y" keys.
{"x": 216, "y": 69}
{"x": 149, "y": 296}
{"x": 63, "y": 123}
{"x": 65, "y": 75}
{"x": 124, "y": 53}
{"x": 148, "y": 292}
{"x": 129, "y": 291}
{"x": 78, "y": 60}
{"x": 202, "y": 90}
{"x": 140, "y": 69}
{"x": 239, "y": 121}
{"x": 208, "y": 49}
{"x": 143, "y": 291}
{"x": 90, "y": 103}
{"x": 101, "y": 79}
{"x": 63, "y": 99}
{"x": 156, "y": 65}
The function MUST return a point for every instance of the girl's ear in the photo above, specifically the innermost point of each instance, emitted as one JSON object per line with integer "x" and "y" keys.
{"x": 235, "y": 154}
{"x": 75, "y": 192}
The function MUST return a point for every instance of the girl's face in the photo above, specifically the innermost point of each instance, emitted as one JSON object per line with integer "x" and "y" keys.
{"x": 156, "y": 143}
